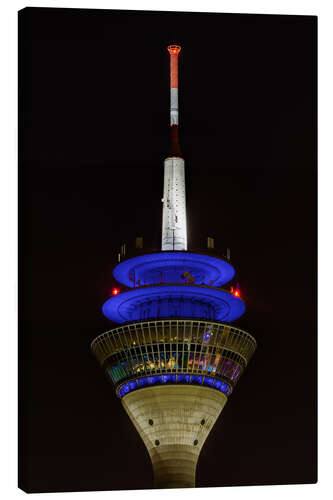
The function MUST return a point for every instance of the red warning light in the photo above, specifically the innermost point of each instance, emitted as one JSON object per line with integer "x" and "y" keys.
{"x": 174, "y": 49}
{"x": 235, "y": 291}
{"x": 115, "y": 291}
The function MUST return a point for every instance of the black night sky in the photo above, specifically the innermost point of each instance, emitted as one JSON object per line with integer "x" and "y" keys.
{"x": 93, "y": 134}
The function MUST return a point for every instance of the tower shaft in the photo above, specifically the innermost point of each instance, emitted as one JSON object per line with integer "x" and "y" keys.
{"x": 174, "y": 422}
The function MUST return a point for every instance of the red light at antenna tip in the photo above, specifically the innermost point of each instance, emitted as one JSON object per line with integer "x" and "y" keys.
{"x": 174, "y": 49}
{"x": 115, "y": 291}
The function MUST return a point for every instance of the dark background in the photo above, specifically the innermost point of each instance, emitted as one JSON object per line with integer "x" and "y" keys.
{"x": 93, "y": 134}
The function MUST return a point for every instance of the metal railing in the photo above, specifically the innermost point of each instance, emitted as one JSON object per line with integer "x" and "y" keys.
{"x": 177, "y": 345}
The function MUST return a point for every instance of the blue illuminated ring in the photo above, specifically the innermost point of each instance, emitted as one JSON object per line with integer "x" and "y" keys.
{"x": 126, "y": 306}
{"x": 142, "y": 382}
{"x": 149, "y": 268}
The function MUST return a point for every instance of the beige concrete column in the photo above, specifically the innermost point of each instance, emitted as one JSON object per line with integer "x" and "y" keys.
{"x": 174, "y": 422}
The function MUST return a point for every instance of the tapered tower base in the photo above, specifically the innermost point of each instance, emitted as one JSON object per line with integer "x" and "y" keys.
{"x": 174, "y": 422}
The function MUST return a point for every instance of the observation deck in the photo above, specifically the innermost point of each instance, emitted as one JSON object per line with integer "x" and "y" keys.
{"x": 169, "y": 267}
{"x": 172, "y": 301}
{"x": 173, "y": 328}
{"x": 143, "y": 354}
{"x": 171, "y": 285}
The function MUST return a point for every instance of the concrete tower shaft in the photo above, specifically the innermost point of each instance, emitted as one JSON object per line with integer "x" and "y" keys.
{"x": 174, "y": 228}
{"x": 174, "y": 422}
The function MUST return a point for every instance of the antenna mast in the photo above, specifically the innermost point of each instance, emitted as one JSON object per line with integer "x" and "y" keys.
{"x": 174, "y": 232}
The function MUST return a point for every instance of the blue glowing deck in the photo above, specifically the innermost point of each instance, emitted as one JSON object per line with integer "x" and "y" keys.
{"x": 169, "y": 267}
{"x": 142, "y": 382}
{"x": 173, "y": 301}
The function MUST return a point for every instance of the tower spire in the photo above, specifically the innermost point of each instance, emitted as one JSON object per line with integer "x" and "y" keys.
{"x": 174, "y": 51}
{"x": 174, "y": 232}
{"x": 174, "y": 114}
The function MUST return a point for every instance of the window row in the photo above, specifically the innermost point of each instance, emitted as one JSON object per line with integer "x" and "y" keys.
{"x": 175, "y": 361}
{"x": 210, "y": 335}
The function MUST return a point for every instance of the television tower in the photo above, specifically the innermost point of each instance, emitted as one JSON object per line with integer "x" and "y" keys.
{"x": 175, "y": 357}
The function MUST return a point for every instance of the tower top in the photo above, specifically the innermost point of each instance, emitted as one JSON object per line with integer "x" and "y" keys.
{"x": 174, "y": 49}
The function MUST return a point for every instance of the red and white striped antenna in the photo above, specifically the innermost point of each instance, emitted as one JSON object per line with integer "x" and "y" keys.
{"x": 174, "y": 113}
{"x": 174, "y": 233}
